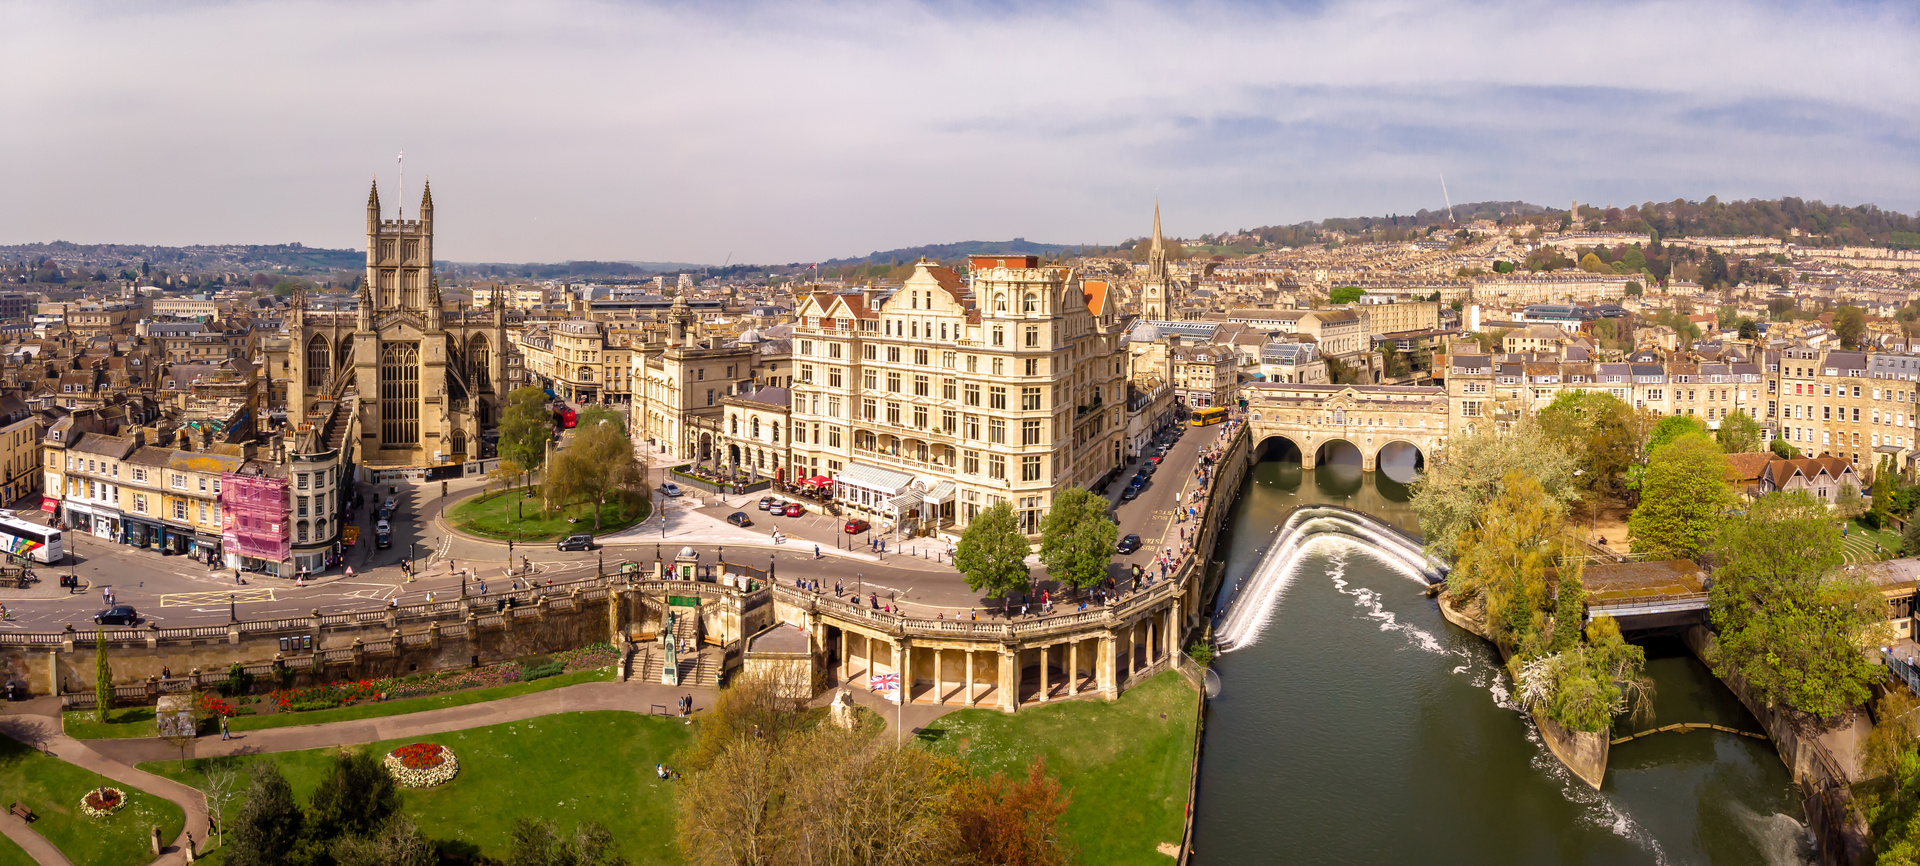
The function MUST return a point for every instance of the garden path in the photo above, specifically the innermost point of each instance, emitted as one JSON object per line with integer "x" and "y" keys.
{"x": 33, "y": 843}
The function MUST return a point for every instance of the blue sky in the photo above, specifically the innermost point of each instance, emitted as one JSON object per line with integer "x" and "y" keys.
{"x": 806, "y": 130}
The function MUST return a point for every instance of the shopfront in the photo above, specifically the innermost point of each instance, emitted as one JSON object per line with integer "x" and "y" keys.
{"x": 205, "y": 548}
{"x": 174, "y": 539}
{"x": 82, "y": 517}
{"x": 145, "y": 534}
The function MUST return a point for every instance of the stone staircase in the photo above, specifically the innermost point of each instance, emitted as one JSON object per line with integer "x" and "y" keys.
{"x": 700, "y": 669}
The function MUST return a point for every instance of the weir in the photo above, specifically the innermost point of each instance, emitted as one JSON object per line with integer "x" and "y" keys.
{"x": 1243, "y": 610}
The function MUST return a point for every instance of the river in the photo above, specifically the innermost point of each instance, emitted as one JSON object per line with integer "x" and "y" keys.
{"x": 1360, "y": 727}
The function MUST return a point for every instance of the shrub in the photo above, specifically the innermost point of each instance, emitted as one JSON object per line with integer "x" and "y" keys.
{"x": 540, "y": 671}
{"x": 238, "y": 681}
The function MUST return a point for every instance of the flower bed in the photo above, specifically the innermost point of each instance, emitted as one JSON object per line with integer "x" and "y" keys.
{"x": 424, "y": 684}
{"x": 422, "y": 765}
{"x": 101, "y": 802}
{"x": 323, "y": 697}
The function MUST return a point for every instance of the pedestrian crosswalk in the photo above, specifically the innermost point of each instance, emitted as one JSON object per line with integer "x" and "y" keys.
{"x": 192, "y": 599}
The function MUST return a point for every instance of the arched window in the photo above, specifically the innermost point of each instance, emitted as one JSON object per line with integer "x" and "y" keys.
{"x": 733, "y": 424}
{"x": 343, "y": 353}
{"x": 1032, "y": 303}
{"x": 480, "y": 361}
{"x": 399, "y": 395}
{"x": 483, "y": 412}
{"x": 458, "y": 441}
{"x": 1000, "y": 303}
{"x": 755, "y": 425}
{"x": 586, "y": 374}
{"x": 319, "y": 362}
{"x": 320, "y": 529}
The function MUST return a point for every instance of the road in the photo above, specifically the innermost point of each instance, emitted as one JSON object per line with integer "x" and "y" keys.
{"x": 174, "y": 591}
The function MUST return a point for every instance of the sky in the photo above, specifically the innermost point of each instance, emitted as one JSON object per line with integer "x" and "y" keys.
{"x": 805, "y": 130}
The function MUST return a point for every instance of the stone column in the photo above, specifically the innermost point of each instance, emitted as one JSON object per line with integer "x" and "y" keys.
{"x": 939, "y": 686}
{"x": 1073, "y": 668}
{"x": 969, "y": 678}
{"x": 1009, "y": 691}
{"x": 1104, "y": 661}
{"x": 1044, "y": 685}
{"x": 846, "y": 667}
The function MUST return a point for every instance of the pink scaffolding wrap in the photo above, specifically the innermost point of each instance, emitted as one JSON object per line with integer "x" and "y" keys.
{"x": 253, "y": 516}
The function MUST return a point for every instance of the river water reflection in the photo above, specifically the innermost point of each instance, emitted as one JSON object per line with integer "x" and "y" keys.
{"x": 1363, "y": 728}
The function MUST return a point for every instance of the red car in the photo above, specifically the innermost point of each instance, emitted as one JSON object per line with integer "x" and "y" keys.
{"x": 795, "y": 509}
{"x": 1155, "y": 459}
{"x": 857, "y": 526}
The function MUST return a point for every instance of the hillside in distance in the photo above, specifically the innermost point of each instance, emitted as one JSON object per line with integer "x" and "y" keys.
{"x": 962, "y": 249}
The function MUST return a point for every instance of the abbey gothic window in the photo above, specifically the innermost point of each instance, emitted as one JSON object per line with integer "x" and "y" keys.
{"x": 399, "y": 395}
{"x": 479, "y": 361}
{"x": 319, "y": 362}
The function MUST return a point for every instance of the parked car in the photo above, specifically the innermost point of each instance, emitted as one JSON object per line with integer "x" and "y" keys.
{"x": 389, "y": 504}
{"x": 1130, "y": 493}
{"x": 384, "y": 515}
{"x": 670, "y": 489}
{"x": 857, "y": 526}
{"x": 1155, "y": 459}
{"x": 794, "y": 509}
{"x": 1150, "y": 467}
{"x": 582, "y": 541}
{"x": 766, "y": 502}
{"x": 739, "y": 518}
{"x": 383, "y": 535}
{"x": 1139, "y": 480}
{"x": 1128, "y": 544}
{"x": 119, "y": 614}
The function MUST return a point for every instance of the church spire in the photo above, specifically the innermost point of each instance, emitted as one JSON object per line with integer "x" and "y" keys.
{"x": 1156, "y": 227}
{"x": 373, "y": 207}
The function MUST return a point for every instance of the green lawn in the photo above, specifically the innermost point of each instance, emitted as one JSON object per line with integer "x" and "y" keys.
{"x": 1127, "y": 763}
{"x": 1860, "y": 544}
{"x": 570, "y": 767}
{"x": 131, "y": 722}
{"x": 52, "y": 788}
{"x": 487, "y": 515}
{"x": 11, "y": 855}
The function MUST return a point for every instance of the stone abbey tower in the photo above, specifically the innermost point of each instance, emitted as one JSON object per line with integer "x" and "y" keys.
{"x": 426, "y": 378}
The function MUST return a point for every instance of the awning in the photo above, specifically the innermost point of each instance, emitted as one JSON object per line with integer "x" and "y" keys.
{"x": 49, "y": 504}
{"x": 940, "y": 493}
{"x": 874, "y": 478}
{"x": 905, "y": 502}
{"x": 817, "y": 481}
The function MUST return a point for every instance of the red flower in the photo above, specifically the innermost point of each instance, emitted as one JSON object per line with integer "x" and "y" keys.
{"x": 419, "y": 756}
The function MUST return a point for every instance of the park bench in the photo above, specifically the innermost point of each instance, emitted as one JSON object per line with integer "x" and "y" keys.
{"x": 20, "y": 810}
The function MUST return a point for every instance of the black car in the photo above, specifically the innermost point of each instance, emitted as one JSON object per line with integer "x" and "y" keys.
{"x": 1130, "y": 493}
{"x": 1128, "y": 544}
{"x": 119, "y": 614}
{"x": 582, "y": 541}
{"x": 739, "y": 518}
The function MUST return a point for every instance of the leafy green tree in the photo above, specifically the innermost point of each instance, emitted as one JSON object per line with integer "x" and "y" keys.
{"x": 1345, "y": 294}
{"x": 102, "y": 676}
{"x": 1077, "y": 538}
{"x": 1602, "y": 433}
{"x": 1457, "y": 485}
{"x": 1783, "y": 449}
{"x": 1749, "y": 330}
{"x": 268, "y": 827}
{"x": 1738, "y": 433}
{"x": 1592, "y": 264}
{"x": 355, "y": 798}
{"x": 526, "y": 426}
{"x": 595, "y": 415}
{"x": 539, "y": 843}
{"x": 1505, "y": 558}
{"x": 1849, "y": 324}
{"x": 1683, "y": 496}
{"x": 992, "y": 553}
{"x": 398, "y": 843}
{"x": 597, "y": 465}
{"x": 1788, "y": 620}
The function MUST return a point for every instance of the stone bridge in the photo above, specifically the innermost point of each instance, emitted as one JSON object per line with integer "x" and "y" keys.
{"x": 1364, "y": 424}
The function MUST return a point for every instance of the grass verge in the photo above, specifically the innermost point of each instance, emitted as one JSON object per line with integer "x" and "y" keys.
{"x": 487, "y": 515}
{"x": 1126, "y": 762}
{"x": 52, "y": 788}
{"x": 11, "y": 855}
{"x": 570, "y": 767}
{"x": 129, "y": 723}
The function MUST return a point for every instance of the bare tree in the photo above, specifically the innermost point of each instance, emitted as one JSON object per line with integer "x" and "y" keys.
{"x": 222, "y": 787}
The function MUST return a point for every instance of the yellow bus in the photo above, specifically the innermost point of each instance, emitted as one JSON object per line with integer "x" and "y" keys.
{"x": 1209, "y": 415}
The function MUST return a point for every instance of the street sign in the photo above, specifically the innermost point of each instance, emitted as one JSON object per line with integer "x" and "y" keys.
{"x": 884, "y": 683}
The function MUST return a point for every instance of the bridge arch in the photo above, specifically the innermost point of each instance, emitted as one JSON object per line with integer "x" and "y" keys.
{"x": 1278, "y": 446}
{"x": 1337, "y": 451}
{"x": 1400, "y": 460}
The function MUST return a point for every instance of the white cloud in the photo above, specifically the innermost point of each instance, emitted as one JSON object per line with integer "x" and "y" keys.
{"x": 800, "y": 131}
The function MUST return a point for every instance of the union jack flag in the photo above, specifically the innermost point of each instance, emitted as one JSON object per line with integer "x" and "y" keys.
{"x": 884, "y": 682}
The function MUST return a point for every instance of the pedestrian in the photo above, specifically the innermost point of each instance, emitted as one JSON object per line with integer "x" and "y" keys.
{"x": 223, "y": 727}
{"x": 166, "y": 673}
{"x": 816, "y": 551}
{"x": 836, "y": 586}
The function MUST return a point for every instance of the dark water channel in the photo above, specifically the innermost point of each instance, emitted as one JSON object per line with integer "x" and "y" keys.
{"x": 1363, "y": 728}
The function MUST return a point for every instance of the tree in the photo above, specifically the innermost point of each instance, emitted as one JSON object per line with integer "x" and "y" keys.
{"x": 221, "y": 782}
{"x": 1345, "y": 294}
{"x": 538, "y": 843}
{"x": 1077, "y": 538}
{"x": 1600, "y": 431}
{"x": 1788, "y": 620}
{"x": 397, "y": 843}
{"x": 1783, "y": 449}
{"x": 1847, "y": 502}
{"x": 505, "y": 473}
{"x": 1749, "y": 330}
{"x": 526, "y": 426}
{"x": 998, "y": 820}
{"x": 1505, "y": 557}
{"x": 269, "y": 824}
{"x": 355, "y": 798}
{"x": 600, "y": 414}
{"x": 992, "y": 553}
{"x": 1664, "y": 431}
{"x": 599, "y": 463}
{"x": 1683, "y": 496}
{"x": 1738, "y": 433}
{"x": 1457, "y": 485}
{"x": 102, "y": 676}
{"x": 1849, "y": 324}
{"x": 1592, "y": 264}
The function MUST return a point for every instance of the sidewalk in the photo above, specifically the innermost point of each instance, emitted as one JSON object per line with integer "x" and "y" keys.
{"x": 36, "y": 846}
{"x": 39, "y": 727}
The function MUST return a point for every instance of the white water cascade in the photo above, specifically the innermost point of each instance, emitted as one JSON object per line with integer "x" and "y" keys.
{"x": 1246, "y": 607}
